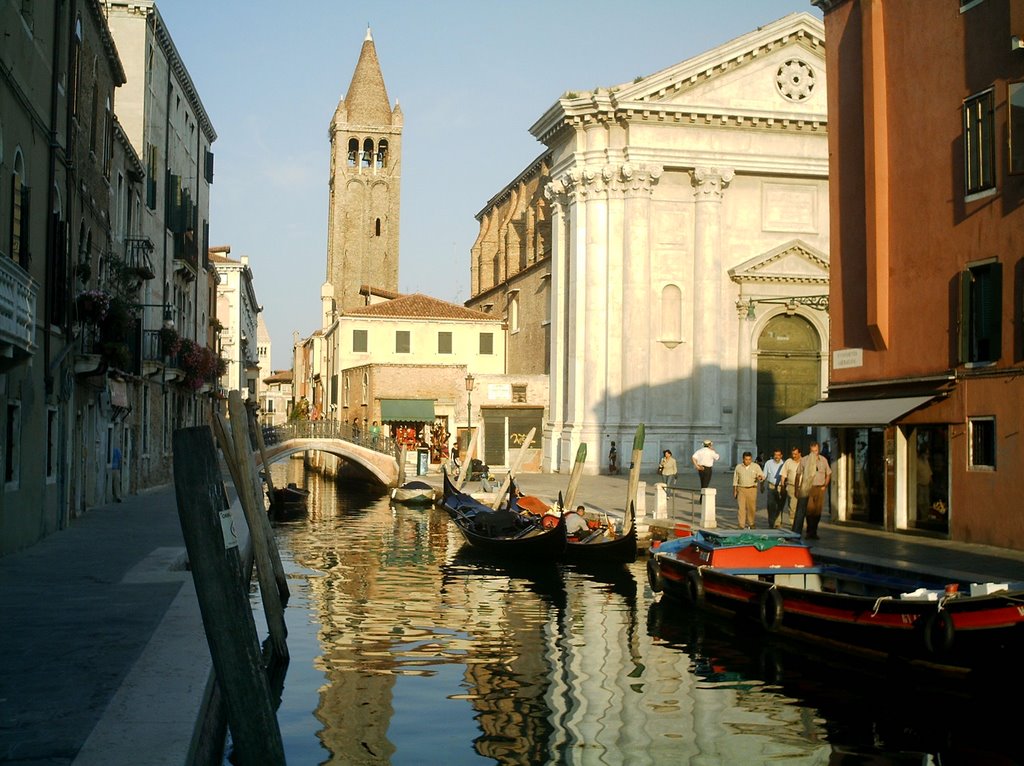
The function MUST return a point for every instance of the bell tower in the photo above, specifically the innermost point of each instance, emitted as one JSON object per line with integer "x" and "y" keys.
{"x": 366, "y": 154}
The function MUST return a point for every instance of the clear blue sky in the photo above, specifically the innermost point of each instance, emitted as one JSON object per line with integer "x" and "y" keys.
{"x": 471, "y": 76}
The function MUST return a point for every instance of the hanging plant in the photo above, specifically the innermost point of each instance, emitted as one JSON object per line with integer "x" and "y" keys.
{"x": 93, "y": 306}
{"x": 119, "y": 318}
{"x": 84, "y": 272}
{"x": 117, "y": 355}
{"x": 170, "y": 341}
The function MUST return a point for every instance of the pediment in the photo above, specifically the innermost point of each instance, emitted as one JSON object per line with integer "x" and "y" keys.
{"x": 776, "y": 70}
{"x": 795, "y": 262}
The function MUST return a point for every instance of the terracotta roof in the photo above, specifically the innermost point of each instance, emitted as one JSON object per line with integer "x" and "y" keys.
{"x": 279, "y": 376}
{"x": 419, "y": 306}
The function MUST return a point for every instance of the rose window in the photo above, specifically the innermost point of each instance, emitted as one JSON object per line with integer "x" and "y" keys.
{"x": 795, "y": 80}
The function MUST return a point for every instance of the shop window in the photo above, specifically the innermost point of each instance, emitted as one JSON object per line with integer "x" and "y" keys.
{"x": 982, "y": 443}
{"x": 979, "y": 143}
{"x": 402, "y": 342}
{"x": 444, "y": 343}
{"x": 981, "y": 313}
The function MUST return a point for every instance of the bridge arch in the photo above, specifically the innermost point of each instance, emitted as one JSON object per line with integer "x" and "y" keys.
{"x": 380, "y": 467}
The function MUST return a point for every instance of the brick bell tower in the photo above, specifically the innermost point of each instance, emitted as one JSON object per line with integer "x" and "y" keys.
{"x": 366, "y": 154}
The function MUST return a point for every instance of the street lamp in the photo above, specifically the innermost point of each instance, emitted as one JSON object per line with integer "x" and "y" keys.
{"x": 469, "y": 400}
{"x": 819, "y": 302}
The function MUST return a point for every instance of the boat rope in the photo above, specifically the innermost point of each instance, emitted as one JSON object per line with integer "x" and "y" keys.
{"x": 878, "y": 604}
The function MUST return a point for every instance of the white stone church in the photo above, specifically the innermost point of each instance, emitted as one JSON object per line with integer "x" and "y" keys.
{"x": 678, "y": 234}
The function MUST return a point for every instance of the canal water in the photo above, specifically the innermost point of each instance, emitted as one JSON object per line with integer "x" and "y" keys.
{"x": 406, "y": 649}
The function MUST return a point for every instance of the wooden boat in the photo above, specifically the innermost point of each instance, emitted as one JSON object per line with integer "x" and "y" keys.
{"x": 290, "y": 496}
{"x": 502, "y": 533}
{"x": 414, "y": 493}
{"x": 595, "y": 547}
{"x": 598, "y": 548}
{"x": 771, "y": 577}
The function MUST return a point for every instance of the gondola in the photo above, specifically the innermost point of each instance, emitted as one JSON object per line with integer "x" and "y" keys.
{"x": 291, "y": 496}
{"x": 595, "y": 547}
{"x": 771, "y": 577}
{"x": 416, "y": 493}
{"x": 502, "y": 533}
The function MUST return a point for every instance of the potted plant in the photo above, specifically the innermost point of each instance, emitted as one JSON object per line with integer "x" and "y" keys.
{"x": 84, "y": 272}
{"x": 117, "y": 355}
{"x": 170, "y": 341}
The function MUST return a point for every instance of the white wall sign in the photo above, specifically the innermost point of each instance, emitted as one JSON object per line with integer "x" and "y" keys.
{"x": 845, "y": 358}
{"x": 499, "y": 392}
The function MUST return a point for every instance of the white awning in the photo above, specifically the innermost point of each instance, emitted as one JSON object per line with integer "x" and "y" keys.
{"x": 858, "y": 412}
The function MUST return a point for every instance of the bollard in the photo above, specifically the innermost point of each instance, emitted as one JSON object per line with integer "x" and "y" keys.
{"x": 660, "y": 501}
{"x": 707, "y": 508}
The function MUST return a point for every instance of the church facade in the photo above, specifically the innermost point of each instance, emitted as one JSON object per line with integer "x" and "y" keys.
{"x": 686, "y": 279}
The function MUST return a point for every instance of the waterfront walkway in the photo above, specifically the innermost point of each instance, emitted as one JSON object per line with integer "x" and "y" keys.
{"x": 104, "y": 656}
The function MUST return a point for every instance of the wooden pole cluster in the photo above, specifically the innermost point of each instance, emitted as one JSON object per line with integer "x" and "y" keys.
{"x": 467, "y": 461}
{"x": 634, "y": 465}
{"x": 238, "y": 454}
{"x": 574, "y": 479}
{"x": 222, "y": 589}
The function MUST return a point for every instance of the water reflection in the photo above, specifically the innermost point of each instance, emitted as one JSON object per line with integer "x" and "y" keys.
{"x": 408, "y": 649}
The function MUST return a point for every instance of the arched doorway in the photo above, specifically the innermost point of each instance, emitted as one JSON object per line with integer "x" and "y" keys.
{"x": 788, "y": 380}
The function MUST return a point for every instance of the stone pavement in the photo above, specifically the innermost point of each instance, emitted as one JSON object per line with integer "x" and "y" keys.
{"x": 104, "y": 656}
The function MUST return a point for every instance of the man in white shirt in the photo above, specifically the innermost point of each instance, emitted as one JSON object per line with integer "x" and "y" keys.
{"x": 773, "y": 486}
{"x": 812, "y": 480}
{"x": 704, "y": 460}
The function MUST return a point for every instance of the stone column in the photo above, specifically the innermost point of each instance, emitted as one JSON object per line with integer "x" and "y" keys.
{"x": 746, "y": 414}
{"x": 593, "y": 313}
{"x": 709, "y": 186}
{"x": 639, "y": 181}
{"x": 555, "y": 193}
{"x": 577, "y": 185}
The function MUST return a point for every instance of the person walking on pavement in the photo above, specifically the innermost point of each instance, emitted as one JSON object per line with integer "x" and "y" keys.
{"x": 704, "y": 460}
{"x": 745, "y": 481}
{"x": 789, "y": 472}
{"x": 668, "y": 468}
{"x": 813, "y": 478}
{"x": 115, "y": 473}
{"x": 773, "y": 481}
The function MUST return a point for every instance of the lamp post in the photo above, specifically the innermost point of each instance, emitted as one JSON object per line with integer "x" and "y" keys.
{"x": 469, "y": 401}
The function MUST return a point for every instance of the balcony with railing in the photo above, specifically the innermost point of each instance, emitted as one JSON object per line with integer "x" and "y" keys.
{"x": 17, "y": 310}
{"x": 137, "y": 259}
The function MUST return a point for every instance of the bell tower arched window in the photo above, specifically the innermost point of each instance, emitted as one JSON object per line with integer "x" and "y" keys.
{"x": 382, "y": 153}
{"x": 353, "y": 150}
{"x": 367, "y": 152}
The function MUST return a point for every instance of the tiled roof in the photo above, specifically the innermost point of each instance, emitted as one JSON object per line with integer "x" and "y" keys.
{"x": 419, "y": 306}
{"x": 279, "y": 376}
{"x": 367, "y": 98}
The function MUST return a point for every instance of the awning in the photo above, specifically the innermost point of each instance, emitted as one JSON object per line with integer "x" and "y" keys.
{"x": 407, "y": 410}
{"x": 856, "y": 412}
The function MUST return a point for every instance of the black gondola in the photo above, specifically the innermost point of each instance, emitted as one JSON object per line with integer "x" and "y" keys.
{"x": 502, "y": 533}
{"x": 596, "y": 548}
{"x": 291, "y": 496}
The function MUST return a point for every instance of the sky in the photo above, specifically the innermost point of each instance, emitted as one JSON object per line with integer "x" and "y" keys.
{"x": 471, "y": 76}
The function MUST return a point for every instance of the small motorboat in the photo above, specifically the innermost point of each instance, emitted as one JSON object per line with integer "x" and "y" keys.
{"x": 417, "y": 493}
{"x": 771, "y": 577}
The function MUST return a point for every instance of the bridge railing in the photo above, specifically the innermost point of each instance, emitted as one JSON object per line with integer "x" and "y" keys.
{"x": 329, "y": 429}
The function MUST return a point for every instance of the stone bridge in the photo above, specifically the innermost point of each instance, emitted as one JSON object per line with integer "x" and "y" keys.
{"x": 368, "y": 457}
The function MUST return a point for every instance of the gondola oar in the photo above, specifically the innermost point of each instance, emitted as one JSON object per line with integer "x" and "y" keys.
{"x": 467, "y": 461}
{"x": 515, "y": 468}
{"x": 577, "y": 474}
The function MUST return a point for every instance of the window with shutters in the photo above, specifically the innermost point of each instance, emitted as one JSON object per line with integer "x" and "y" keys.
{"x": 486, "y": 343}
{"x": 402, "y": 343}
{"x": 979, "y": 143}
{"x": 444, "y": 343}
{"x": 981, "y": 313}
{"x": 359, "y": 342}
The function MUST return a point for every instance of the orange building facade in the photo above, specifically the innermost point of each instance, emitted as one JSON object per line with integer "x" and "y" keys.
{"x": 926, "y": 179}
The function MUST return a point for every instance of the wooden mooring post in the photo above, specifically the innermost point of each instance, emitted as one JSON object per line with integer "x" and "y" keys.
{"x": 223, "y": 599}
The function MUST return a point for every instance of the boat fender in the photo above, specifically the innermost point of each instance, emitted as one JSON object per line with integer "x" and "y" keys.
{"x": 695, "y": 587}
{"x": 771, "y": 610}
{"x": 939, "y": 633}
{"x": 654, "y": 575}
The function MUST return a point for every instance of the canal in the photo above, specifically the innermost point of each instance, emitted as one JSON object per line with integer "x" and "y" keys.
{"x": 405, "y": 649}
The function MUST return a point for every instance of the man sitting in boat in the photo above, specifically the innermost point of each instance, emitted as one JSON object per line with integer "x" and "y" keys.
{"x": 576, "y": 523}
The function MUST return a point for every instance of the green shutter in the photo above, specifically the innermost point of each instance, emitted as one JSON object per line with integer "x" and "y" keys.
{"x": 964, "y": 319}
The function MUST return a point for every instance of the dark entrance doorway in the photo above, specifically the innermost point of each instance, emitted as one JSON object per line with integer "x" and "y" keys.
{"x": 788, "y": 380}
